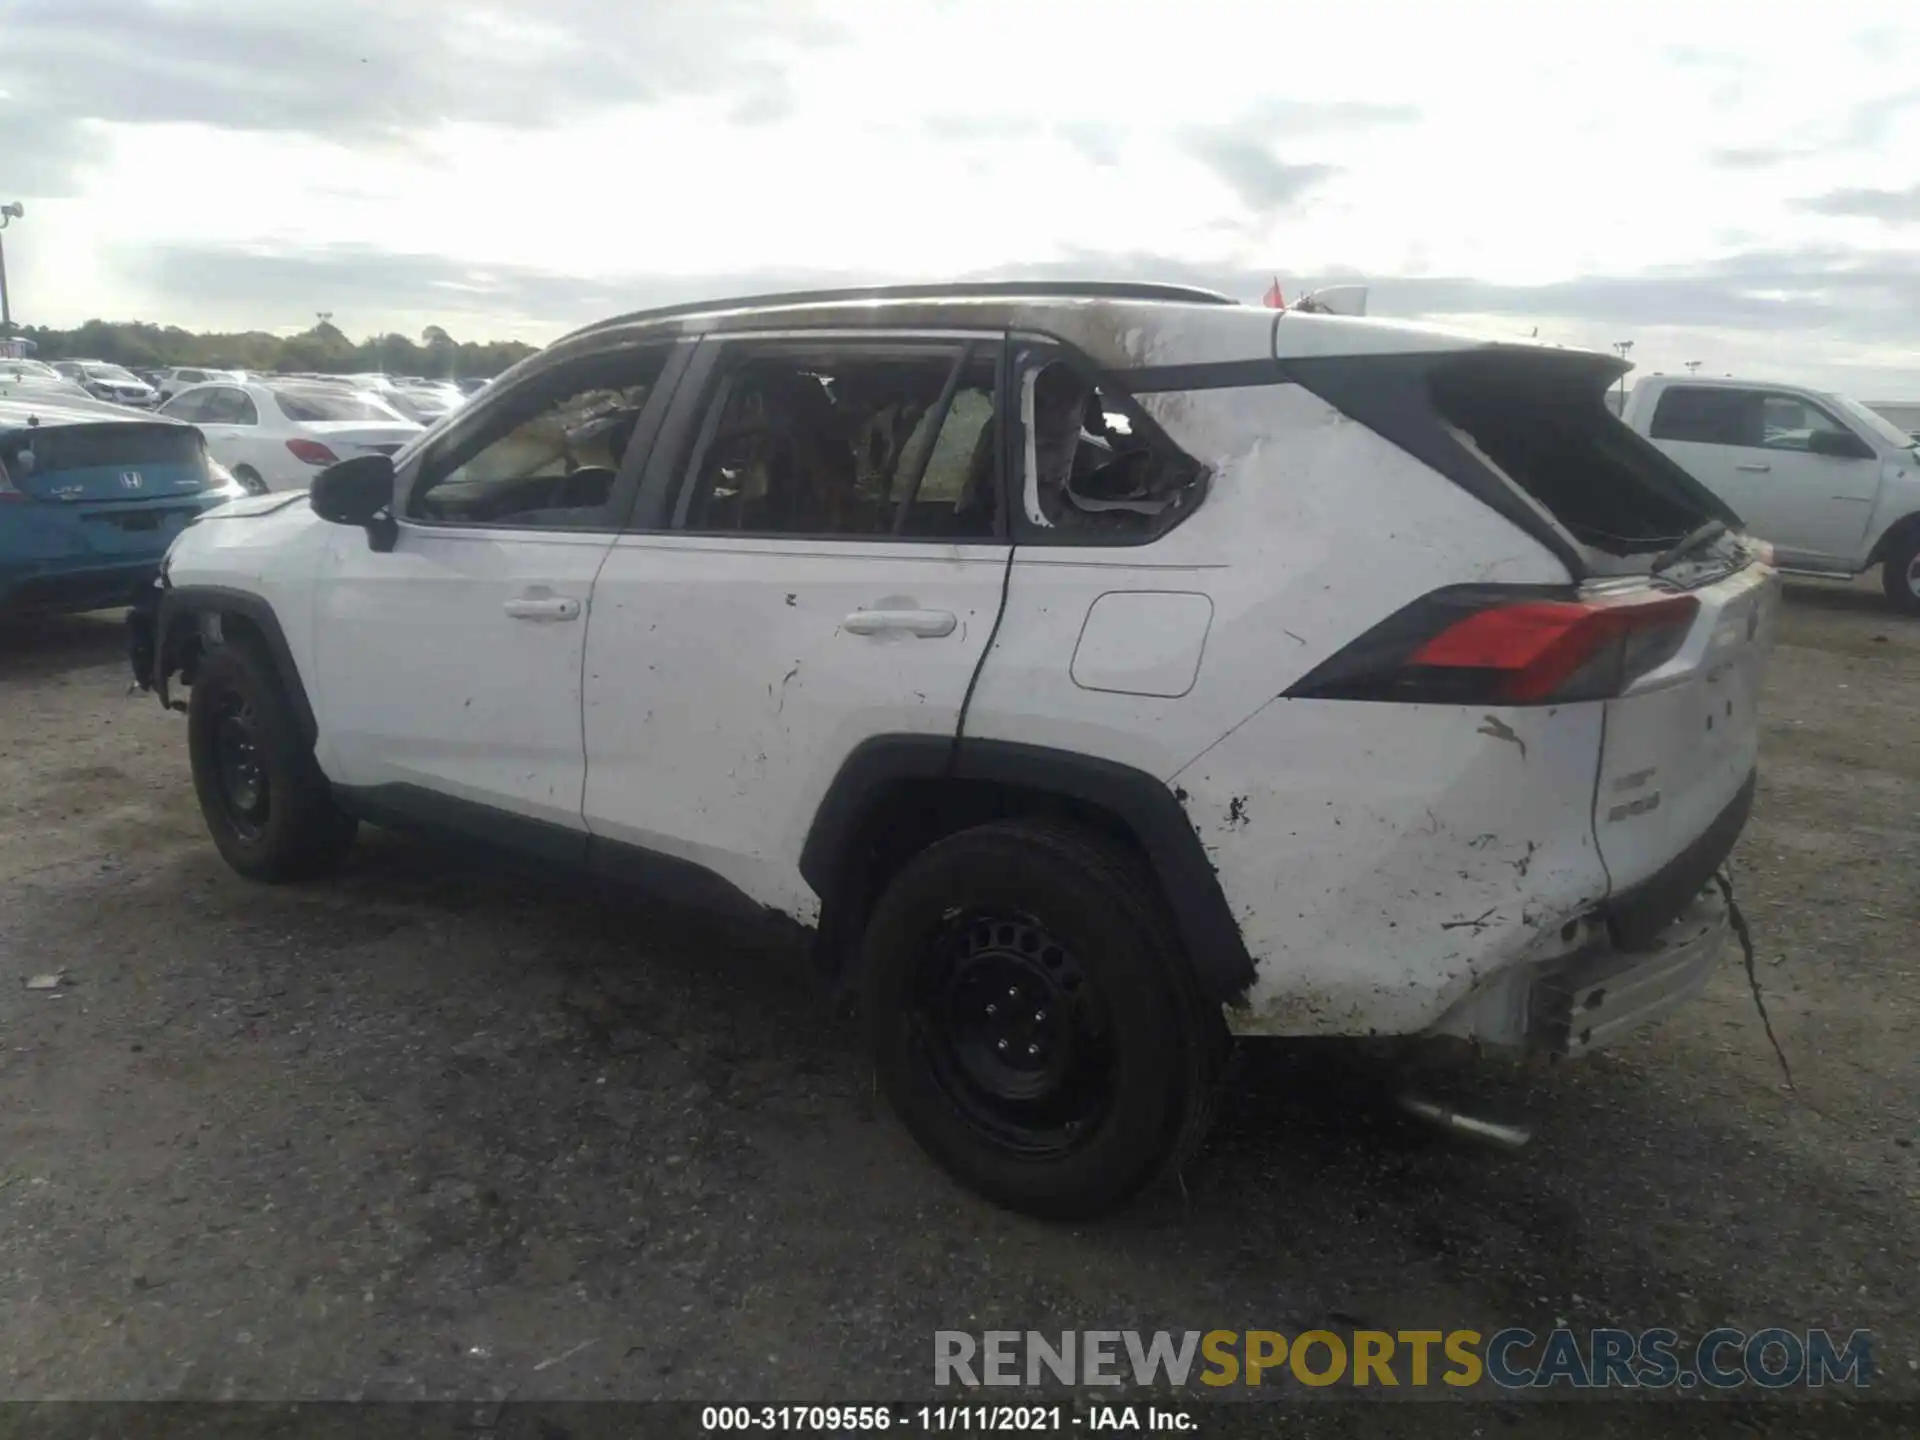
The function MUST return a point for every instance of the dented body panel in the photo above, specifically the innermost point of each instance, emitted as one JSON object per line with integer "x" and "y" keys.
{"x": 1390, "y": 868}
{"x": 728, "y": 680}
{"x": 1384, "y": 860}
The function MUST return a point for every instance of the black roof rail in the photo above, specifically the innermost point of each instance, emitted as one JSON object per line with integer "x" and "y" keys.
{"x": 951, "y": 290}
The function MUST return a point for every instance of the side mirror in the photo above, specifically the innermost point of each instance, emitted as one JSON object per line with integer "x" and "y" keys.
{"x": 358, "y": 492}
{"x": 1839, "y": 445}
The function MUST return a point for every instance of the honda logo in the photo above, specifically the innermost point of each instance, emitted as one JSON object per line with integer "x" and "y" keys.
{"x": 131, "y": 480}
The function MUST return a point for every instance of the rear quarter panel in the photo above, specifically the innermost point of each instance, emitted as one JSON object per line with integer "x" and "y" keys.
{"x": 1376, "y": 857}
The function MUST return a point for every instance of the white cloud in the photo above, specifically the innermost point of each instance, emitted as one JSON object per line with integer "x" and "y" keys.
{"x": 630, "y": 150}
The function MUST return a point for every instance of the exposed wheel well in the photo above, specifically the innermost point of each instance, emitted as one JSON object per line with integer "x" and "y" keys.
{"x": 908, "y": 814}
{"x": 896, "y": 794}
{"x": 187, "y": 640}
{"x": 1895, "y": 534}
{"x": 183, "y": 639}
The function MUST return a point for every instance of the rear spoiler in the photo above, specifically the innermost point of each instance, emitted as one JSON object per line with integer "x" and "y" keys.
{"x": 1334, "y": 300}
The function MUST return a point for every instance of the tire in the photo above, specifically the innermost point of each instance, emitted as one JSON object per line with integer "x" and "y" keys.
{"x": 1066, "y": 1109}
{"x": 1900, "y": 572}
{"x": 250, "y": 478}
{"x": 268, "y": 807}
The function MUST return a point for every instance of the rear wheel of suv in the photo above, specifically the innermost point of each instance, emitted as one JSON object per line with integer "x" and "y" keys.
{"x": 1034, "y": 1020}
{"x": 266, "y": 803}
{"x": 1900, "y": 572}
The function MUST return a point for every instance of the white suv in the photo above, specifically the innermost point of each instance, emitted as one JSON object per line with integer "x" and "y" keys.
{"x": 1095, "y": 671}
{"x": 172, "y": 382}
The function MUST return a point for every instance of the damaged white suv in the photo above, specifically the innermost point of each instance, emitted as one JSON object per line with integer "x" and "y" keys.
{"x": 1095, "y": 670}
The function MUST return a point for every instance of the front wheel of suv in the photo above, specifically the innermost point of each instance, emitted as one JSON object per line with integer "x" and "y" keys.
{"x": 1034, "y": 1019}
{"x": 267, "y": 805}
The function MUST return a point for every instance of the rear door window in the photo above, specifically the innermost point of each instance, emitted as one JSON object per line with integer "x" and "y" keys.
{"x": 228, "y": 406}
{"x": 848, "y": 438}
{"x": 190, "y": 405}
{"x": 1701, "y": 416}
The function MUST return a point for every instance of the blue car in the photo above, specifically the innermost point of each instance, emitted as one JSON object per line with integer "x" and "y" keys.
{"x": 91, "y": 495}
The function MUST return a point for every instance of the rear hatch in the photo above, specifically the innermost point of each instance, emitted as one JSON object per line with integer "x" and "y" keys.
{"x": 1681, "y": 744}
{"x": 114, "y": 461}
{"x": 1682, "y": 736}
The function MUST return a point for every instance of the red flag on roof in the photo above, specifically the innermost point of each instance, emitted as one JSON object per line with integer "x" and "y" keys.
{"x": 1273, "y": 299}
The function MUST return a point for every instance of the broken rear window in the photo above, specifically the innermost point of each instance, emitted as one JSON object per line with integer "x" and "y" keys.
{"x": 1096, "y": 470}
{"x": 1542, "y": 421}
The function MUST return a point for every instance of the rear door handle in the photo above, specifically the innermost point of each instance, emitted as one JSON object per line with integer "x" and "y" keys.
{"x": 927, "y": 624}
{"x": 1754, "y": 469}
{"x": 545, "y": 607}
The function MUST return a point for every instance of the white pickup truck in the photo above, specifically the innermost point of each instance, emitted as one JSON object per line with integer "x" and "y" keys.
{"x": 1832, "y": 486}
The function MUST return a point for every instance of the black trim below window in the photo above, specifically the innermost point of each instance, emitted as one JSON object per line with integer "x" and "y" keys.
{"x": 1145, "y": 807}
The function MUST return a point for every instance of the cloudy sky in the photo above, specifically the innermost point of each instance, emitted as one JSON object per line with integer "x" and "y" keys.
{"x": 1733, "y": 184}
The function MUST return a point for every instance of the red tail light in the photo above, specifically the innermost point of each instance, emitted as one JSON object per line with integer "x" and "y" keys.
{"x": 312, "y": 452}
{"x": 1487, "y": 646}
{"x": 7, "y": 492}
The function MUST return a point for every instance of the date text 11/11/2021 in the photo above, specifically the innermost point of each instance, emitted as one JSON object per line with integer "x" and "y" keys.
{"x": 945, "y": 1419}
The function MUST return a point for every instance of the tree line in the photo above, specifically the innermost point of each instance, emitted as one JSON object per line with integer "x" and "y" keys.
{"x": 322, "y": 350}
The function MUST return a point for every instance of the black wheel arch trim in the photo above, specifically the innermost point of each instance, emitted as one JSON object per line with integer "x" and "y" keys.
{"x": 181, "y": 601}
{"x": 1891, "y": 538}
{"x": 1149, "y": 809}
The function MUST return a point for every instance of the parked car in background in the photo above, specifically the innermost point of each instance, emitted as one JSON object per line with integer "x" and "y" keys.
{"x": 1094, "y": 670}
{"x": 106, "y": 381}
{"x": 33, "y": 377}
{"x": 472, "y": 384}
{"x": 426, "y": 401}
{"x": 1833, "y": 486}
{"x": 91, "y": 495}
{"x": 423, "y": 400}
{"x": 172, "y": 382}
{"x": 278, "y": 436}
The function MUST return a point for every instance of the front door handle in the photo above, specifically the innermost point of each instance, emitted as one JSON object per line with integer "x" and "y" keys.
{"x": 545, "y": 607}
{"x": 927, "y": 624}
{"x": 1754, "y": 469}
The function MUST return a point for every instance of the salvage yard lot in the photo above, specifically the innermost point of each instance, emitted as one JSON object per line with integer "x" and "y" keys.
{"x": 425, "y": 1131}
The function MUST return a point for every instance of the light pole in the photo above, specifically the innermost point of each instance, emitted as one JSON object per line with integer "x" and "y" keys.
{"x": 1620, "y": 348}
{"x": 8, "y": 213}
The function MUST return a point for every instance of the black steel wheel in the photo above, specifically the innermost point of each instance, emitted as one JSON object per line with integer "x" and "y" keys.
{"x": 1015, "y": 1032}
{"x": 266, "y": 804}
{"x": 1034, "y": 1020}
{"x": 243, "y": 779}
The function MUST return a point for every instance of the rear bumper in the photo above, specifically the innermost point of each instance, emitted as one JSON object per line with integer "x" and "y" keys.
{"x": 49, "y": 589}
{"x": 1595, "y": 997}
{"x": 1601, "y": 998}
{"x": 1638, "y": 916}
{"x": 1636, "y": 959}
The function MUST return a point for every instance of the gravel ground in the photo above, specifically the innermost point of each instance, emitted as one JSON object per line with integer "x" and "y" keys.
{"x": 432, "y": 1131}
